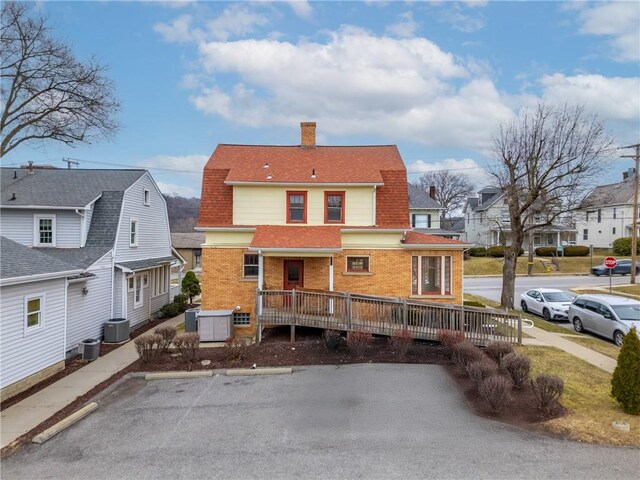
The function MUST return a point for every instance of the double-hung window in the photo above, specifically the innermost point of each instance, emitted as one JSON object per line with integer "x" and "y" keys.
{"x": 33, "y": 312}
{"x": 138, "y": 294}
{"x": 296, "y": 207}
{"x": 44, "y": 230}
{"x": 358, "y": 264}
{"x": 146, "y": 197}
{"x": 250, "y": 268}
{"x": 133, "y": 232}
{"x": 421, "y": 220}
{"x": 430, "y": 275}
{"x": 334, "y": 207}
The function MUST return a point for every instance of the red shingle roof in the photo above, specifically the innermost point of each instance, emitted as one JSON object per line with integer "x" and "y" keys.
{"x": 415, "y": 238}
{"x": 294, "y": 237}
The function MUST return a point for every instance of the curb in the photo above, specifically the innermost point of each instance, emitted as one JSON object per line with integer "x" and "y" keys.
{"x": 64, "y": 424}
{"x": 178, "y": 375}
{"x": 247, "y": 372}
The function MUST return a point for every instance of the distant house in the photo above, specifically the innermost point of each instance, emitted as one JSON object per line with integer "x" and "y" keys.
{"x": 425, "y": 212}
{"x": 189, "y": 246}
{"x": 606, "y": 213}
{"x": 100, "y": 239}
{"x": 487, "y": 222}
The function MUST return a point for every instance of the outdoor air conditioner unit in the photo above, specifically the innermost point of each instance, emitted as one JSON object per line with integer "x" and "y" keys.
{"x": 89, "y": 349}
{"x": 116, "y": 330}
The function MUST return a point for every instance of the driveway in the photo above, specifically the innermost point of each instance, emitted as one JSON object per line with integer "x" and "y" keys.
{"x": 357, "y": 421}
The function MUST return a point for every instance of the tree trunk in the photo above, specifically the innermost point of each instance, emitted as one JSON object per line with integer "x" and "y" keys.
{"x": 530, "y": 259}
{"x": 509, "y": 270}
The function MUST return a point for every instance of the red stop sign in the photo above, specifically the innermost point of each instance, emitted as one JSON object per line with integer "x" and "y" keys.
{"x": 610, "y": 262}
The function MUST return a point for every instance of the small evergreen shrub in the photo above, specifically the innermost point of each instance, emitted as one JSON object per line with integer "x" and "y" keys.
{"x": 625, "y": 382}
{"x": 170, "y": 310}
{"x": 332, "y": 340}
{"x": 236, "y": 348}
{"x": 481, "y": 369}
{"x": 168, "y": 334}
{"x": 622, "y": 246}
{"x": 495, "y": 390}
{"x": 149, "y": 347}
{"x": 498, "y": 251}
{"x": 547, "y": 389}
{"x": 576, "y": 251}
{"x": 181, "y": 300}
{"x": 448, "y": 338}
{"x": 465, "y": 352}
{"x": 518, "y": 367}
{"x": 477, "y": 252}
{"x": 358, "y": 341}
{"x": 187, "y": 344}
{"x": 545, "y": 251}
{"x": 401, "y": 342}
{"x": 497, "y": 349}
{"x": 191, "y": 286}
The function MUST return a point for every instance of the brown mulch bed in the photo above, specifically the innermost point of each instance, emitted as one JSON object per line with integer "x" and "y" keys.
{"x": 276, "y": 350}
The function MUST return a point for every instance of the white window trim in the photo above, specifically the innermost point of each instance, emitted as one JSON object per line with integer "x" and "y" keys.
{"x": 357, "y": 272}
{"x": 146, "y": 197}
{"x": 129, "y": 287}
{"x": 139, "y": 304}
{"x": 158, "y": 281}
{"x": 442, "y": 277}
{"x": 131, "y": 222}
{"x": 40, "y": 326}
{"x": 36, "y": 230}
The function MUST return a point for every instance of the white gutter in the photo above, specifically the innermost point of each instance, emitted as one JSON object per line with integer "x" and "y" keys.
{"x": 306, "y": 184}
{"x": 372, "y": 230}
{"x": 418, "y": 246}
{"x": 38, "y": 278}
{"x": 295, "y": 250}
{"x": 40, "y": 207}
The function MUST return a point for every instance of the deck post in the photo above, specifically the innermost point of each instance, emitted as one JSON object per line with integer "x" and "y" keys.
{"x": 519, "y": 330}
{"x": 347, "y": 301}
{"x": 405, "y": 314}
{"x": 293, "y": 317}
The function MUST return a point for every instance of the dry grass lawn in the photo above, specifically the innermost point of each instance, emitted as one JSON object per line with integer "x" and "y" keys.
{"x": 493, "y": 266}
{"x": 601, "y": 346}
{"x": 586, "y": 396}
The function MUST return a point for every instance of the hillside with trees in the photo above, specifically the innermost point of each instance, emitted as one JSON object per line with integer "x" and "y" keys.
{"x": 183, "y": 213}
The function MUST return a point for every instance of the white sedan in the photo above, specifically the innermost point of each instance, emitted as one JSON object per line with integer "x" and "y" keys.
{"x": 550, "y": 303}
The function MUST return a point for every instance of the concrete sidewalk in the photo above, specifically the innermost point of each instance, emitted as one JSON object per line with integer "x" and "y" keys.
{"x": 32, "y": 411}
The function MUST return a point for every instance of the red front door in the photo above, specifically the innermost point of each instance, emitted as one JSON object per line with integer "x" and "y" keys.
{"x": 293, "y": 274}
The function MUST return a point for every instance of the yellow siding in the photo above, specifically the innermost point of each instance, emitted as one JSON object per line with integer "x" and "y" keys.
{"x": 254, "y": 205}
{"x": 229, "y": 239}
{"x": 371, "y": 240}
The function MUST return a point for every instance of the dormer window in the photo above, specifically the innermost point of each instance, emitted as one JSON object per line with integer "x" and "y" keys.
{"x": 334, "y": 207}
{"x": 44, "y": 231}
{"x": 421, "y": 220}
{"x": 296, "y": 207}
{"x": 146, "y": 197}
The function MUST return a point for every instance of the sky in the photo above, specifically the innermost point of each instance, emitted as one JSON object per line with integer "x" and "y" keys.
{"x": 435, "y": 78}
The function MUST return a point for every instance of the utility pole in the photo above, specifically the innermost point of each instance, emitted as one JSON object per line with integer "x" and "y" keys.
{"x": 634, "y": 233}
{"x": 69, "y": 162}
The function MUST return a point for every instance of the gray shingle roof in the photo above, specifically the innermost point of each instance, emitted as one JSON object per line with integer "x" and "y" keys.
{"x": 419, "y": 198}
{"x": 146, "y": 263}
{"x": 454, "y": 224}
{"x": 620, "y": 193}
{"x": 61, "y": 187}
{"x": 17, "y": 261}
{"x": 187, "y": 239}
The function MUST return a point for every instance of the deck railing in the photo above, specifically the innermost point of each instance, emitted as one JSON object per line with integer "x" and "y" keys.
{"x": 383, "y": 315}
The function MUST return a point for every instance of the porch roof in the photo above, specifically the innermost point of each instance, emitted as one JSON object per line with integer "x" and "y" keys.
{"x": 294, "y": 237}
{"x": 413, "y": 239}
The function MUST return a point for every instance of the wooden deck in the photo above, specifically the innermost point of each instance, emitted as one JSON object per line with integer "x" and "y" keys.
{"x": 383, "y": 315}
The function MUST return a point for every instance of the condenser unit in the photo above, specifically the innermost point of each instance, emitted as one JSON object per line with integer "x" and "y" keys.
{"x": 116, "y": 330}
{"x": 89, "y": 349}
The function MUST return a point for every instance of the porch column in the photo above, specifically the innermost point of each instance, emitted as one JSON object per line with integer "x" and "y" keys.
{"x": 558, "y": 235}
{"x": 331, "y": 283}
{"x": 260, "y": 280}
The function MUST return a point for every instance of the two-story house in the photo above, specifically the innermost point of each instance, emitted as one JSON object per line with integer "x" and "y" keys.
{"x": 425, "y": 212}
{"x": 606, "y": 213}
{"x": 487, "y": 222}
{"x": 78, "y": 247}
{"x": 315, "y": 217}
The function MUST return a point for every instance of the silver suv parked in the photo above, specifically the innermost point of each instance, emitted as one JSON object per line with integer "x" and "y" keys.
{"x": 609, "y": 316}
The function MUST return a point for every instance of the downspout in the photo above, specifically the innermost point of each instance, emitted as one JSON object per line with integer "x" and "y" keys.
{"x": 260, "y": 280}
{"x": 64, "y": 328}
{"x": 113, "y": 280}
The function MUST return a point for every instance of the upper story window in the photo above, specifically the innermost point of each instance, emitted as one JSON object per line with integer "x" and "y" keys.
{"x": 197, "y": 257}
{"x": 33, "y": 311}
{"x": 133, "y": 232}
{"x": 146, "y": 197}
{"x": 334, "y": 207}
{"x": 615, "y": 213}
{"x": 44, "y": 231}
{"x": 421, "y": 220}
{"x": 599, "y": 216}
{"x": 296, "y": 207}
{"x": 506, "y": 218}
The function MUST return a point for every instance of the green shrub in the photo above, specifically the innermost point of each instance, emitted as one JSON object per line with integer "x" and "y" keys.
{"x": 181, "y": 301}
{"x": 473, "y": 303}
{"x": 498, "y": 251}
{"x": 622, "y": 246}
{"x": 625, "y": 382}
{"x": 191, "y": 286}
{"x": 170, "y": 310}
{"x": 576, "y": 251}
{"x": 545, "y": 251}
{"x": 478, "y": 252}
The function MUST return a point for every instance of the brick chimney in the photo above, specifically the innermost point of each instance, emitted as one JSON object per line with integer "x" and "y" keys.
{"x": 432, "y": 192}
{"x": 308, "y": 134}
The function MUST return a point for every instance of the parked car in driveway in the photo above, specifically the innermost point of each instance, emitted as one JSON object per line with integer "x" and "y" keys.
{"x": 550, "y": 303}
{"x": 622, "y": 268}
{"x": 609, "y": 316}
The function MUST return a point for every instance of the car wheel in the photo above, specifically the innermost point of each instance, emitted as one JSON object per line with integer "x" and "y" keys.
{"x": 577, "y": 325}
{"x": 618, "y": 337}
{"x": 523, "y": 304}
{"x": 546, "y": 315}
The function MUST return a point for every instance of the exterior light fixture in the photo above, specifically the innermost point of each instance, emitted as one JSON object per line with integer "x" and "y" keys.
{"x": 85, "y": 291}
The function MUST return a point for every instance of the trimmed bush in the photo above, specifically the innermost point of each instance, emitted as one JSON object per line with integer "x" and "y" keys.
{"x": 401, "y": 342}
{"x": 191, "y": 286}
{"x": 622, "y": 246}
{"x": 170, "y": 310}
{"x": 167, "y": 334}
{"x": 547, "y": 389}
{"x": 358, "y": 341}
{"x": 498, "y": 251}
{"x": 187, "y": 344}
{"x": 576, "y": 251}
{"x": 495, "y": 390}
{"x": 477, "y": 252}
{"x": 518, "y": 367}
{"x": 481, "y": 369}
{"x": 625, "y": 382}
{"x": 448, "y": 338}
{"x": 545, "y": 251}
{"x": 465, "y": 352}
{"x": 181, "y": 300}
{"x": 473, "y": 303}
{"x": 332, "y": 340}
{"x": 149, "y": 347}
{"x": 498, "y": 349}
{"x": 236, "y": 348}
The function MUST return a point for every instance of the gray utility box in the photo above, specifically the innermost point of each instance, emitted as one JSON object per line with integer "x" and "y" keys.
{"x": 116, "y": 330}
{"x": 89, "y": 349}
{"x": 191, "y": 320}
{"x": 214, "y": 325}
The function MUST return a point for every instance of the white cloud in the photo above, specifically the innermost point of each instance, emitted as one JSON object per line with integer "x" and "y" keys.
{"x": 179, "y": 30}
{"x": 302, "y": 8}
{"x": 468, "y": 23}
{"x": 236, "y": 20}
{"x": 465, "y": 166}
{"x": 620, "y": 22}
{"x": 179, "y": 190}
{"x": 177, "y": 163}
{"x": 405, "y": 27}
{"x": 183, "y": 171}
{"x": 476, "y": 3}
{"x": 612, "y": 98}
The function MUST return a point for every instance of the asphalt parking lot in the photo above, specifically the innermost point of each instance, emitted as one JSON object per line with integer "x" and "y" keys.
{"x": 356, "y": 421}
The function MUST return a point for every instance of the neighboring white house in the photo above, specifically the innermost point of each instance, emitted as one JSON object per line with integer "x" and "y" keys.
{"x": 425, "y": 212}
{"x": 487, "y": 222}
{"x": 109, "y": 228}
{"x": 606, "y": 213}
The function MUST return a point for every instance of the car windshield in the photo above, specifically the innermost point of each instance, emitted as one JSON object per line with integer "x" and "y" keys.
{"x": 556, "y": 297}
{"x": 627, "y": 312}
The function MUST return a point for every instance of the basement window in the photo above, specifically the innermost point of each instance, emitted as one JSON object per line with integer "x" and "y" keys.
{"x": 241, "y": 319}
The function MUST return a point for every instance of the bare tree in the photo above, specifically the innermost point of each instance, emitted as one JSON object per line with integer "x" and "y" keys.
{"x": 47, "y": 93}
{"x": 546, "y": 162}
{"x": 452, "y": 189}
